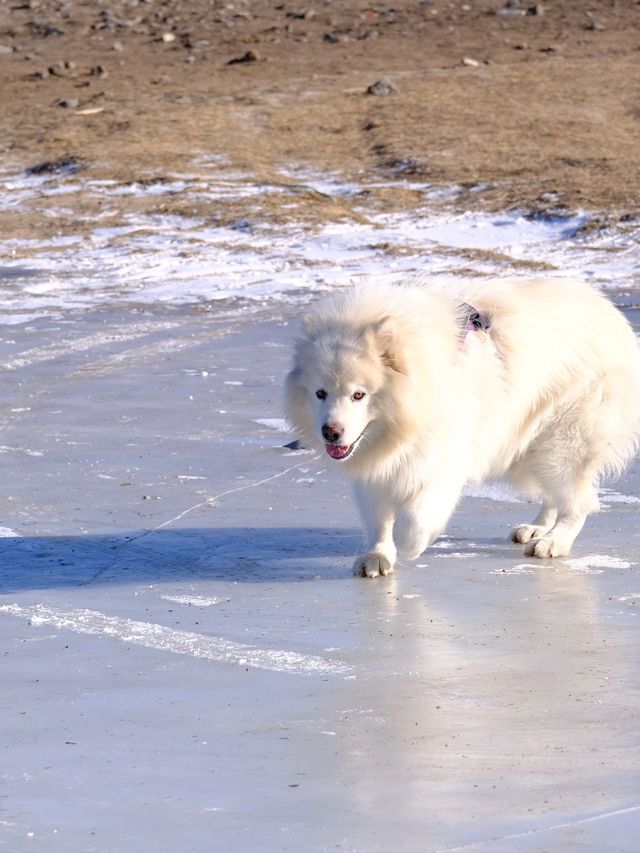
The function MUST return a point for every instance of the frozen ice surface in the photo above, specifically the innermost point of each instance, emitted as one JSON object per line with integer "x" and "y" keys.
{"x": 187, "y": 661}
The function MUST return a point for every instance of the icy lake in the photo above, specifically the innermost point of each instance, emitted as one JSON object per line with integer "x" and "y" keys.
{"x": 188, "y": 663}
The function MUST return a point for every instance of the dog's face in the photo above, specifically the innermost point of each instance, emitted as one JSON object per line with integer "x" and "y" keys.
{"x": 343, "y": 402}
{"x": 334, "y": 392}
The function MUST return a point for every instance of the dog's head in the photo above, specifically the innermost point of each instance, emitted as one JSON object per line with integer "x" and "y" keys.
{"x": 337, "y": 395}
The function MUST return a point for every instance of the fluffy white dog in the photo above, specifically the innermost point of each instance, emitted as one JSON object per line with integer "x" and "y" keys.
{"x": 418, "y": 389}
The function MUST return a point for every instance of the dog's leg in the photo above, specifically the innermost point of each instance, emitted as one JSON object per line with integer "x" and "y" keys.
{"x": 558, "y": 541}
{"x": 572, "y": 514}
{"x": 377, "y": 516}
{"x": 542, "y": 523}
{"x": 423, "y": 519}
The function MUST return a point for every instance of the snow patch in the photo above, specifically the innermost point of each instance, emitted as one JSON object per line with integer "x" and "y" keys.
{"x": 4, "y": 448}
{"x": 153, "y": 636}
{"x": 192, "y": 600}
{"x": 520, "y": 569}
{"x": 612, "y": 497}
{"x": 162, "y": 258}
{"x": 594, "y": 563}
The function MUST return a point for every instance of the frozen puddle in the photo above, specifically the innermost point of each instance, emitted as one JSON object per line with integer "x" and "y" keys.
{"x": 168, "y": 258}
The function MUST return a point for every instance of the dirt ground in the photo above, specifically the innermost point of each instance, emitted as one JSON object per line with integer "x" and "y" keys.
{"x": 522, "y": 105}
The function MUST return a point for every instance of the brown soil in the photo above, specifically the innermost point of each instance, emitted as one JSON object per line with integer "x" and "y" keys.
{"x": 523, "y": 105}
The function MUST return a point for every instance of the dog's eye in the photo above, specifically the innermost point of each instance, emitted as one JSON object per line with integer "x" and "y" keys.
{"x": 321, "y": 394}
{"x": 358, "y": 395}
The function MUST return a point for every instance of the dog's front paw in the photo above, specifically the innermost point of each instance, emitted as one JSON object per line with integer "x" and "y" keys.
{"x": 546, "y": 546}
{"x": 372, "y": 565}
{"x": 524, "y": 533}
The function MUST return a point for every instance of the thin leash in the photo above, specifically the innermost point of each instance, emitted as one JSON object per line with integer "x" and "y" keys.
{"x": 208, "y": 501}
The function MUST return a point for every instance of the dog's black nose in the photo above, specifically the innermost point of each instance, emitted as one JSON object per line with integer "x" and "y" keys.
{"x": 332, "y": 433}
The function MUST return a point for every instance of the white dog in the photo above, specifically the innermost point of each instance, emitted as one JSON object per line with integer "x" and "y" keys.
{"x": 419, "y": 389}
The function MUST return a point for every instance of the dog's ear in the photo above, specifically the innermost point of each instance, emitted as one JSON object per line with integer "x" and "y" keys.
{"x": 383, "y": 332}
{"x": 384, "y": 335}
{"x": 311, "y": 326}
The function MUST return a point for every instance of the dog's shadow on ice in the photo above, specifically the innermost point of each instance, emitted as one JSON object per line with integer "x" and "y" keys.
{"x": 239, "y": 554}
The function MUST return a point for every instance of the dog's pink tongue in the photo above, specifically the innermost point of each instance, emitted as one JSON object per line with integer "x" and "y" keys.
{"x": 337, "y": 452}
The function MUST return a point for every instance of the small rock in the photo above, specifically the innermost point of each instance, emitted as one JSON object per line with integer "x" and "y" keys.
{"x": 382, "y": 88}
{"x": 249, "y": 56}
{"x": 68, "y": 103}
{"x": 117, "y": 46}
{"x": 98, "y": 71}
{"x": 5, "y": 50}
{"x": 44, "y": 30}
{"x": 306, "y": 15}
{"x": 62, "y": 68}
{"x": 472, "y": 63}
{"x": 535, "y": 9}
{"x": 167, "y": 38}
{"x": 522, "y": 46}
{"x": 549, "y": 197}
{"x": 65, "y": 165}
{"x": 596, "y": 24}
{"x": 332, "y": 38}
{"x": 242, "y": 225}
{"x": 511, "y": 7}
{"x": 410, "y": 166}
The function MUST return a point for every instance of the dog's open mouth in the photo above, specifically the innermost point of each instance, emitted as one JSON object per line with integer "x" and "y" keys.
{"x": 341, "y": 451}
{"x": 337, "y": 451}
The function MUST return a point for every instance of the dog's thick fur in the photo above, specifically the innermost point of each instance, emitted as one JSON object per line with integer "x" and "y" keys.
{"x": 387, "y": 381}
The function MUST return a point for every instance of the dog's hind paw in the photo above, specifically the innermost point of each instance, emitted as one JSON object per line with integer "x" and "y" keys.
{"x": 546, "y": 546}
{"x": 372, "y": 565}
{"x": 524, "y": 533}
